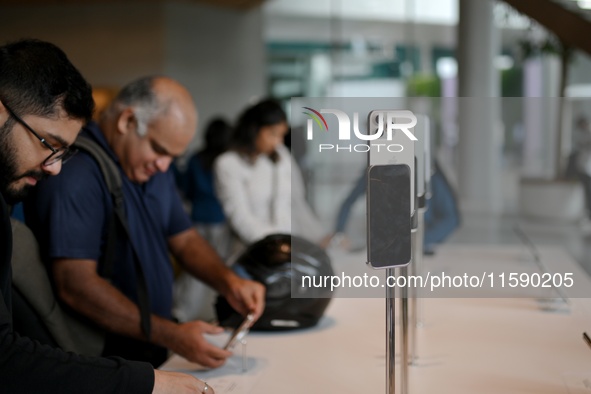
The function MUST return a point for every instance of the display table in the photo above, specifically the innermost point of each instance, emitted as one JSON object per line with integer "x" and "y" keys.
{"x": 476, "y": 345}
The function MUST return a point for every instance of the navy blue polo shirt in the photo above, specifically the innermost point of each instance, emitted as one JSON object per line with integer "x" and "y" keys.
{"x": 69, "y": 214}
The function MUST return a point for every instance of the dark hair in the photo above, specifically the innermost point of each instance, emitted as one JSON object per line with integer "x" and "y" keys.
{"x": 266, "y": 113}
{"x": 218, "y": 135}
{"x": 36, "y": 78}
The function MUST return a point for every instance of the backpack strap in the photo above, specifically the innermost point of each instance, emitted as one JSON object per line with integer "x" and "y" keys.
{"x": 118, "y": 227}
{"x": 31, "y": 284}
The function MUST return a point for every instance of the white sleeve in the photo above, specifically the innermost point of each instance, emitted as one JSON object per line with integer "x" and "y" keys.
{"x": 231, "y": 176}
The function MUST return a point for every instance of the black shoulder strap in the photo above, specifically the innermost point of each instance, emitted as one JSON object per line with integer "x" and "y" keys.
{"x": 117, "y": 226}
{"x": 113, "y": 180}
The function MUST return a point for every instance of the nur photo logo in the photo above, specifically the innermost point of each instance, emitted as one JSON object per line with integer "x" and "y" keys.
{"x": 380, "y": 123}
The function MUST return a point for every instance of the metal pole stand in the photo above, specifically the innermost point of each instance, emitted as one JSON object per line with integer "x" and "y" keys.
{"x": 416, "y": 268}
{"x": 390, "y": 336}
{"x": 404, "y": 333}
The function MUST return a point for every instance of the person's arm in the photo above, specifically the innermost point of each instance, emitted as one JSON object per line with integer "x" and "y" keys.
{"x": 230, "y": 178}
{"x": 29, "y": 367}
{"x": 195, "y": 254}
{"x": 79, "y": 286}
{"x": 201, "y": 261}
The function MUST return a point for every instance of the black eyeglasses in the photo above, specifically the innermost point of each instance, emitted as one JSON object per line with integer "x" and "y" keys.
{"x": 57, "y": 154}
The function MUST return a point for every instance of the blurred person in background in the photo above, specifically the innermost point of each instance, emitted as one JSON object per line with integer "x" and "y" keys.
{"x": 258, "y": 182}
{"x": 442, "y": 216}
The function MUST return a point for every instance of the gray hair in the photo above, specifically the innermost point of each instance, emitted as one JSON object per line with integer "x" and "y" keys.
{"x": 140, "y": 96}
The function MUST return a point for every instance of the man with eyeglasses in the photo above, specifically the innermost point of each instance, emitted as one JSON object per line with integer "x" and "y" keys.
{"x": 151, "y": 121}
{"x": 44, "y": 101}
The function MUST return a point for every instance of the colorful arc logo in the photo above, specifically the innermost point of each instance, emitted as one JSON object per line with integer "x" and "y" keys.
{"x": 317, "y": 117}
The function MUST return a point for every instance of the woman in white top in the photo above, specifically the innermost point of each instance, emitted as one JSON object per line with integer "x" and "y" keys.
{"x": 259, "y": 184}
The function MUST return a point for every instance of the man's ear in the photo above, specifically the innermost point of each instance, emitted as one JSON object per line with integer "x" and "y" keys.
{"x": 127, "y": 121}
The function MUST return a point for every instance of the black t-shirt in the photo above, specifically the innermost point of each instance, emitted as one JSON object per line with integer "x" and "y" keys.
{"x": 29, "y": 367}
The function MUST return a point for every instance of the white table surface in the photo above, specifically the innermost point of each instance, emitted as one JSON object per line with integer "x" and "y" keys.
{"x": 466, "y": 345}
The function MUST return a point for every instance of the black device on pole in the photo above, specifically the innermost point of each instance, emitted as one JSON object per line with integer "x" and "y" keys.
{"x": 389, "y": 223}
{"x": 390, "y": 195}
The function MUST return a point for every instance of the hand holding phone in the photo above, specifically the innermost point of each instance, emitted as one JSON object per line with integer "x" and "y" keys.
{"x": 240, "y": 332}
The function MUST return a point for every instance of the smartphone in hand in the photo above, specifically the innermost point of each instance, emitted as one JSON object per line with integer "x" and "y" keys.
{"x": 240, "y": 332}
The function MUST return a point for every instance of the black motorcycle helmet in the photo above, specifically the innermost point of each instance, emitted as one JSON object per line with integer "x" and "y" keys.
{"x": 277, "y": 261}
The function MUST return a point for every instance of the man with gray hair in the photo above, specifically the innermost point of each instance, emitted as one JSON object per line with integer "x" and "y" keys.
{"x": 150, "y": 122}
